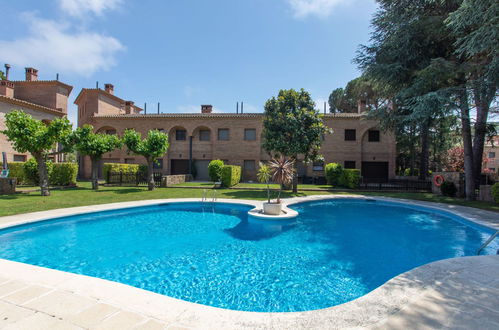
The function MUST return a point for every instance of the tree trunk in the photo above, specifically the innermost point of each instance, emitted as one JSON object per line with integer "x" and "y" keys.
{"x": 150, "y": 174}
{"x": 413, "y": 153}
{"x": 43, "y": 174}
{"x": 425, "y": 150}
{"x": 295, "y": 175}
{"x": 95, "y": 173}
{"x": 482, "y": 112}
{"x": 469, "y": 174}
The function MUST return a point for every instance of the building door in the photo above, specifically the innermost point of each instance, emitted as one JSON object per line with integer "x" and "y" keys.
{"x": 375, "y": 171}
{"x": 179, "y": 166}
{"x": 202, "y": 170}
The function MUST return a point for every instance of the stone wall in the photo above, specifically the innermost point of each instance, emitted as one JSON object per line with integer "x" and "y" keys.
{"x": 8, "y": 186}
{"x": 169, "y": 180}
{"x": 485, "y": 193}
{"x": 455, "y": 177}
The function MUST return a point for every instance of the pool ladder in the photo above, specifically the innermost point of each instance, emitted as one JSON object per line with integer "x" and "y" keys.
{"x": 484, "y": 245}
{"x": 204, "y": 198}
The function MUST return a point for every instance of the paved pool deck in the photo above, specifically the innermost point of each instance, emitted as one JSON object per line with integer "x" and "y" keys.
{"x": 458, "y": 293}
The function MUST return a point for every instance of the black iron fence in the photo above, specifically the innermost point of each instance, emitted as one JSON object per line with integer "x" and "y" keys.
{"x": 132, "y": 179}
{"x": 397, "y": 185}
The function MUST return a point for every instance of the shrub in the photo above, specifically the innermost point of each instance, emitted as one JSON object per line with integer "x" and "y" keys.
{"x": 31, "y": 171}
{"x": 215, "y": 170}
{"x": 63, "y": 174}
{"x": 495, "y": 192}
{"x": 448, "y": 188}
{"x": 350, "y": 178}
{"x": 231, "y": 175}
{"x": 130, "y": 169}
{"x": 407, "y": 172}
{"x": 333, "y": 173}
{"x": 16, "y": 170}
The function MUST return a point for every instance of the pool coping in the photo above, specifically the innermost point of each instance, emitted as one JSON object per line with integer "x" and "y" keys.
{"x": 377, "y": 308}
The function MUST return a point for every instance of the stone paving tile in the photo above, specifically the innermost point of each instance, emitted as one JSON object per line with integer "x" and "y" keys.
{"x": 93, "y": 315}
{"x": 61, "y": 303}
{"x": 10, "y": 287}
{"x": 26, "y": 294}
{"x": 151, "y": 325}
{"x": 41, "y": 321}
{"x": 10, "y": 313}
{"x": 120, "y": 321}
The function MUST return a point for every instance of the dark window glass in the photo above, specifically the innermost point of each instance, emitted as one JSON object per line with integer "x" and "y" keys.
{"x": 249, "y": 165}
{"x": 350, "y": 164}
{"x": 318, "y": 166}
{"x": 223, "y": 134}
{"x": 158, "y": 164}
{"x": 373, "y": 136}
{"x": 250, "y": 134}
{"x": 350, "y": 135}
{"x": 492, "y": 155}
{"x": 204, "y": 135}
{"x": 129, "y": 160}
{"x": 180, "y": 135}
{"x": 110, "y": 131}
{"x": 19, "y": 158}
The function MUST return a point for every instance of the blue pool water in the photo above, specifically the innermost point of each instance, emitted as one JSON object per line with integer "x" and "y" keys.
{"x": 334, "y": 252}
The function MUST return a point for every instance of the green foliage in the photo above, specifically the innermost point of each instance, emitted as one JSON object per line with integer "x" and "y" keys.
{"x": 495, "y": 192}
{"x": 152, "y": 147}
{"x": 346, "y": 99}
{"x": 122, "y": 168}
{"x": 215, "y": 170}
{"x": 350, "y": 178}
{"x": 415, "y": 172}
{"x": 263, "y": 175}
{"x": 292, "y": 126}
{"x": 63, "y": 174}
{"x": 16, "y": 170}
{"x": 333, "y": 173}
{"x": 2, "y": 75}
{"x": 231, "y": 175}
{"x": 448, "y": 188}
{"x": 93, "y": 144}
{"x": 31, "y": 171}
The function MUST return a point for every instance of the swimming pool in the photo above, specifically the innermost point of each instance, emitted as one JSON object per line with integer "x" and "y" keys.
{"x": 213, "y": 254}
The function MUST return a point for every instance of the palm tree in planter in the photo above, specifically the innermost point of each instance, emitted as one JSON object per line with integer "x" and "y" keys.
{"x": 280, "y": 170}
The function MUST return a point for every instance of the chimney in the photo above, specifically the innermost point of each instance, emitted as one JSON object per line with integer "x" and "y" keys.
{"x": 129, "y": 107}
{"x": 6, "y": 88}
{"x": 361, "y": 106}
{"x": 109, "y": 88}
{"x": 31, "y": 74}
{"x": 206, "y": 108}
{"x": 7, "y": 69}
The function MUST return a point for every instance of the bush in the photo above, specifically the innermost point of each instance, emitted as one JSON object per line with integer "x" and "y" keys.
{"x": 231, "y": 175}
{"x": 333, "y": 173}
{"x": 448, "y": 188}
{"x": 31, "y": 171}
{"x": 350, "y": 178}
{"x": 215, "y": 170}
{"x": 63, "y": 174}
{"x": 495, "y": 192}
{"x": 16, "y": 170}
{"x": 407, "y": 172}
{"x": 131, "y": 169}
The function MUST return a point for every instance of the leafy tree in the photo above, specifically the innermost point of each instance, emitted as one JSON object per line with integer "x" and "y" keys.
{"x": 293, "y": 127}
{"x": 154, "y": 146}
{"x": 32, "y": 135}
{"x": 2, "y": 75}
{"x": 94, "y": 145}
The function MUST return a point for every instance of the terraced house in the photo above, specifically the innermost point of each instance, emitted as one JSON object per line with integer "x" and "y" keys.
{"x": 197, "y": 138}
{"x": 43, "y": 99}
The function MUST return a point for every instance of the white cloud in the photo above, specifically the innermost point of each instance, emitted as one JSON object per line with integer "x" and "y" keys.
{"x": 52, "y": 45}
{"x": 320, "y": 8}
{"x": 82, "y": 7}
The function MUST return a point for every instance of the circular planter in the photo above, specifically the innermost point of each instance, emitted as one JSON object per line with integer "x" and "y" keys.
{"x": 272, "y": 208}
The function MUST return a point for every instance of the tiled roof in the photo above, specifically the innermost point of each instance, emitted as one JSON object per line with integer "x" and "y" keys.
{"x": 42, "y": 82}
{"x": 102, "y": 91}
{"x": 30, "y": 105}
{"x": 215, "y": 115}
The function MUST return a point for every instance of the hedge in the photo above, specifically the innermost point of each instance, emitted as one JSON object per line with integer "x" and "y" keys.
{"x": 125, "y": 169}
{"x": 495, "y": 192}
{"x": 215, "y": 169}
{"x": 231, "y": 175}
{"x": 31, "y": 171}
{"x": 350, "y": 178}
{"x": 333, "y": 173}
{"x": 63, "y": 174}
{"x": 16, "y": 170}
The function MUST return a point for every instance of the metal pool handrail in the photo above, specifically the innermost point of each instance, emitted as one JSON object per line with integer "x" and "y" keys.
{"x": 484, "y": 245}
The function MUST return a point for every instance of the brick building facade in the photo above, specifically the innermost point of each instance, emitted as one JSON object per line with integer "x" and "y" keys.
{"x": 43, "y": 99}
{"x": 197, "y": 138}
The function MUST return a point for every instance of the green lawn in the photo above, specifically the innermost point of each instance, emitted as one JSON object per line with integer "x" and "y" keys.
{"x": 83, "y": 195}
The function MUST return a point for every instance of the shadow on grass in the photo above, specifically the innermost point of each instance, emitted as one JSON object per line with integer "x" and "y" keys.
{"x": 257, "y": 194}
{"x": 120, "y": 190}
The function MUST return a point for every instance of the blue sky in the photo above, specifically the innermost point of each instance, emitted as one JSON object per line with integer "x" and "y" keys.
{"x": 191, "y": 52}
